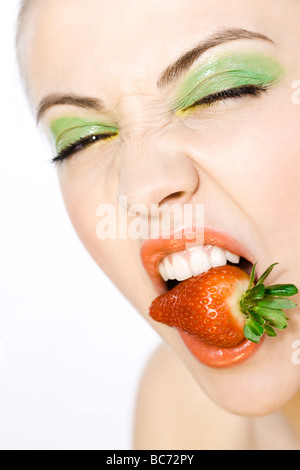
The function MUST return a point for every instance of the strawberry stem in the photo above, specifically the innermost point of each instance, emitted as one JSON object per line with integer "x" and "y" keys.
{"x": 263, "y": 306}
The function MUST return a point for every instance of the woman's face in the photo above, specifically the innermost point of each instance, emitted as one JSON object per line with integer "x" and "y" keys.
{"x": 112, "y": 94}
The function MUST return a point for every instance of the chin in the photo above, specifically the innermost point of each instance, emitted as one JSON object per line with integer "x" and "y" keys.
{"x": 256, "y": 388}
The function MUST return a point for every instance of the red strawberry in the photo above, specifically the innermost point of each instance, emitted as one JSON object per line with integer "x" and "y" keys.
{"x": 223, "y": 306}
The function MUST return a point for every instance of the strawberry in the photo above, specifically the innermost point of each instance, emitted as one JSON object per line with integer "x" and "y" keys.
{"x": 224, "y": 305}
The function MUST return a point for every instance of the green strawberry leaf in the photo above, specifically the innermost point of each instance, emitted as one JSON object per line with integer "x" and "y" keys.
{"x": 269, "y": 331}
{"x": 281, "y": 290}
{"x": 275, "y": 303}
{"x": 250, "y": 335}
{"x": 265, "y": 274}
{"x": 255, "y": 326}
{"x": 264, "y": 306}
{"x": 257, "y": 318}
{"x": 252, "y": 276}
{"x": 276, "y": 318}
{"x": 256, "y": 292}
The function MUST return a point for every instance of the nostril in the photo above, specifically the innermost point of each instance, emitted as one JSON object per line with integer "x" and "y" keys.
{"x": 172, "y": 198}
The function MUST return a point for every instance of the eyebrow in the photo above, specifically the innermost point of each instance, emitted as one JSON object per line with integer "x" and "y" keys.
{"x": 73, "y": 100}
{"x": 174, "y": 71}
{"x": 170, "y": 74}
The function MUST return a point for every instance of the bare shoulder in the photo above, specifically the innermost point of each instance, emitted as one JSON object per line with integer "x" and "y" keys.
{"x": 173, "y": 412}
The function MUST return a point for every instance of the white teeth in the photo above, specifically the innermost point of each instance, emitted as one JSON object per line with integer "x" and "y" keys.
{"x": 169, "y": 269}
{"x": 217, "y": 257}
{"x": 163, "y": 272}
{"x": 232, "y": 257}
{"x": 194, "y": 261}
{"x": 181, "y": 267}
{"x": 199, "y": 262}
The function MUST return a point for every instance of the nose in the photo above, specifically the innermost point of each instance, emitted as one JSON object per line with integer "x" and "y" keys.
{"x": 155, "y": 171}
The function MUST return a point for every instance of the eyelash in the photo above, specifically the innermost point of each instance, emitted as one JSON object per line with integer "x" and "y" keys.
{"x": 81, "y": 143}
{"x": 246, "y": 90}
{"x": 239, "y": 92}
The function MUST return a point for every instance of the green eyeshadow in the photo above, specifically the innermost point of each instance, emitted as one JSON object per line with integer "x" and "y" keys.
{"x": 230, "y": 71}
{"x": 69, "y": 130}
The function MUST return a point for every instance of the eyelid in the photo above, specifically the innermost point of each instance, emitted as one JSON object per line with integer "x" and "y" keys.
{"x": 66, "y": 136}
{"x": 232, "y": 93}
{"x": 220, "y": 83}
{"x": 237, "y": 69}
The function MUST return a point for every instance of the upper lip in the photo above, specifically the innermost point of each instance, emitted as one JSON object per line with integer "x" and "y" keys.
{"x": 154, "y": 250}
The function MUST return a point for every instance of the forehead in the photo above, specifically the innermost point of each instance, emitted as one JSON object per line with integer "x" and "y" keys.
{"x": 74, "y": 45}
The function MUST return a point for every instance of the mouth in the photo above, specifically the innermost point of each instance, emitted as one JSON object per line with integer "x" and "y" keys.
{"x": 171, "y": 261}
{"x": 179, "y": 266}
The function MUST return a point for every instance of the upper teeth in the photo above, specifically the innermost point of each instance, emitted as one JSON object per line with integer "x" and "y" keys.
{"x": 194, "y": 261}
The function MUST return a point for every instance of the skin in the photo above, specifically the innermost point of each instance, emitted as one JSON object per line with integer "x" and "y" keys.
{"x": 240, "y": 158}
{"x": 233, "y": 70}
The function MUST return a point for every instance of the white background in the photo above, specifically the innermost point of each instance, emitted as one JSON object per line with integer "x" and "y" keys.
{"x": 72, "y": 349}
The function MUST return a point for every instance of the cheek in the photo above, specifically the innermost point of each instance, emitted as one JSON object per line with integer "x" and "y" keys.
{"x": 273, "y": 195}
{"x": 265, "y": 163}
{"x": 83, "y": 198}
{"x": 258, "y": 167}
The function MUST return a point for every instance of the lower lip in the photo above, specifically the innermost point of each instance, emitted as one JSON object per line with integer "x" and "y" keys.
{"x": 219, "y": 358}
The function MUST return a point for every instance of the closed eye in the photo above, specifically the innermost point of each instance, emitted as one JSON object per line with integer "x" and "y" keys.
{"x": 79, "y": 145}
{"x": 239, "y": 92}
{"x": 209, "y": 100}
